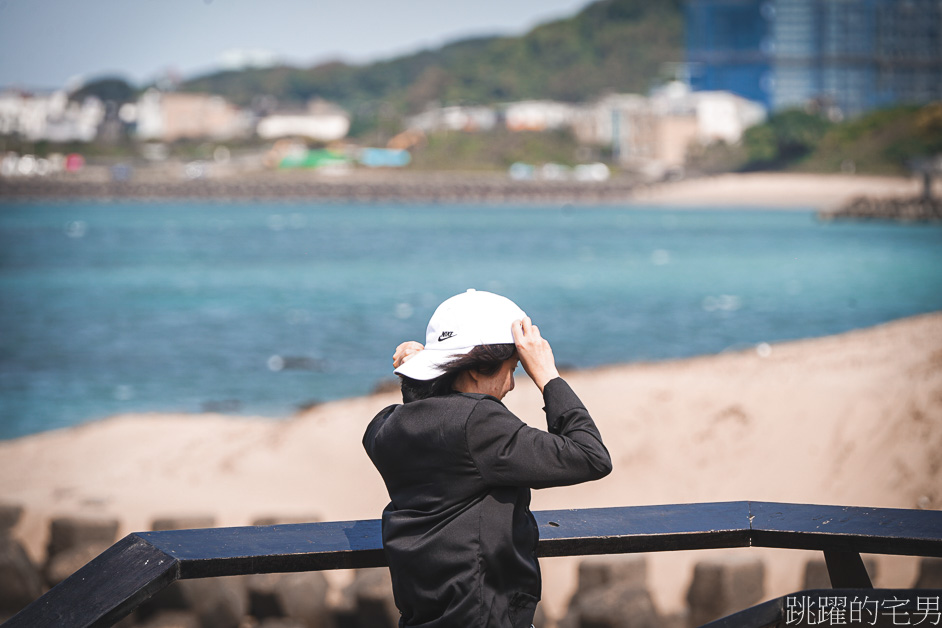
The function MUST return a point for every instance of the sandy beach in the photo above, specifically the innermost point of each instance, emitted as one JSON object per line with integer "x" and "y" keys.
{"x": 778, "y": 190}
{"x": 854, "y": 419}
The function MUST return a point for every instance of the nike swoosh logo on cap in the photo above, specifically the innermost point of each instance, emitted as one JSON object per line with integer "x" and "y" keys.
{"x": 446, "y": 335}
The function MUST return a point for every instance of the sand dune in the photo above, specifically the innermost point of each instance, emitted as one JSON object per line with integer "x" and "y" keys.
{"x": 854, "y": 419}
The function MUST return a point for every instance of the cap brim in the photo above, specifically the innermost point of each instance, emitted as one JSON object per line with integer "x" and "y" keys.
{"x": 428, "y": 363}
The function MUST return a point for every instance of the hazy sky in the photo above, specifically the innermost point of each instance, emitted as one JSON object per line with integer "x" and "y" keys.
{"x": 47, "y": 43}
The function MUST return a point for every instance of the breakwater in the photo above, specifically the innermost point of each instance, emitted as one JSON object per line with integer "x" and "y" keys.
{"x": 910, "y": 209}
{"x": 412, "y": 188}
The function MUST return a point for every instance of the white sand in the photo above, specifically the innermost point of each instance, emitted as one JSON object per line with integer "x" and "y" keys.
{"x": 777, "y": 190}
{"x": 854, "y": 419}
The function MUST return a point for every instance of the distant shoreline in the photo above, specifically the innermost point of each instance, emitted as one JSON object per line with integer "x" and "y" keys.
{"x": 752, "y": 190}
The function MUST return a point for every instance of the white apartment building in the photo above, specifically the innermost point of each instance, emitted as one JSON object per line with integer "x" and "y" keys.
{"x": 49, "y": 116}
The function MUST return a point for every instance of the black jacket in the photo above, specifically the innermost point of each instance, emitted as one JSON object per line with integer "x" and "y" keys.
{"x": 458, "y": 533}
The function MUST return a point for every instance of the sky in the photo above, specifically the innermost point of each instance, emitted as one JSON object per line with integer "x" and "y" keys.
{"x": 60, "y": 43}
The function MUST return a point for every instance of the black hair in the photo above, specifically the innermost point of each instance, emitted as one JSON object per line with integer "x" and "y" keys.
{"x": 485, "y": 359}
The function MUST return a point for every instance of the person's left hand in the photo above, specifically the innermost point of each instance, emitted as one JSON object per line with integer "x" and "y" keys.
{"x": 405, "y": 351}
{"x": 534, "y": 352}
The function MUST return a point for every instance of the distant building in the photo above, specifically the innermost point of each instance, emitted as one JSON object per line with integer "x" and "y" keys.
{"x": 172, "y": 116}
{"x": 849, "y": 55}
{"x": 729, "y": 45}
{"x": 655, "y": 133}
{"x": 321, "y": 121}
{"x": 539, "y": 115}
{"x": 49, "y": 116}
{"x": 599, "y": 123}
{"x": 724, "y": 116}
{"x": 454, "y": 118}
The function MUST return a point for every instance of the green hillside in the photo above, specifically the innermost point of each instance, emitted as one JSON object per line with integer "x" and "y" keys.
{"x": 887, "y": 141}
{"x": 611, "y": 45}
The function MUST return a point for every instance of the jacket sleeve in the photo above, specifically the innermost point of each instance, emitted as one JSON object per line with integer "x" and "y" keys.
{"x": 508, "y": 452}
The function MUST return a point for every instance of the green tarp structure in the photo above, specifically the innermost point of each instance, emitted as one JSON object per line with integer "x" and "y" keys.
{"x": 314, "y": 159}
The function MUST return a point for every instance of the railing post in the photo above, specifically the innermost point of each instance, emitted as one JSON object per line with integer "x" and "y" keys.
{"x": 847, "y": 570}
{"x": 104, "y": 590}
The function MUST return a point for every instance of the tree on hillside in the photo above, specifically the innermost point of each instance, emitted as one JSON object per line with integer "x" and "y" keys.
{"x": 786, "y": 137}
{"x": 106, "y": 89}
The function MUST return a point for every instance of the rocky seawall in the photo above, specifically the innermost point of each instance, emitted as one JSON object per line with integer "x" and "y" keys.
{"x": 413, "y": 188}
{"x": 910, "y": 209}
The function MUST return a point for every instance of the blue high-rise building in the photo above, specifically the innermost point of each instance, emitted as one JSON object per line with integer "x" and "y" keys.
{"x": 728, "y": 47}
{"x": 848, "y": 55}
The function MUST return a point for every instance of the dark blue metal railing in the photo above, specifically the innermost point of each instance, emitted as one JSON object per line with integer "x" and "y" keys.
{"x": 114, "y": 583}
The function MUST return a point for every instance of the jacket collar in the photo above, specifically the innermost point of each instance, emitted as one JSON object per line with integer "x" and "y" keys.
{"x": 480, "y": 396}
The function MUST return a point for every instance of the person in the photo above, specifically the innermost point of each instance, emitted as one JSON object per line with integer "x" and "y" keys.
{"x": 458, "y": 533}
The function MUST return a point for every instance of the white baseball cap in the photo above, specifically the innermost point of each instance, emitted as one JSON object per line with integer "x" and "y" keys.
{"x": 459, "y": 324}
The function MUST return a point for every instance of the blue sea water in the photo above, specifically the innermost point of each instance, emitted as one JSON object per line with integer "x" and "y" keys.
{"x": 259, "y": 308}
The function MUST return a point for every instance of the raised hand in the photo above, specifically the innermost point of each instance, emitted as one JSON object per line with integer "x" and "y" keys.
{"x": 535, "y": 352}
{"x": 405, "y": 351}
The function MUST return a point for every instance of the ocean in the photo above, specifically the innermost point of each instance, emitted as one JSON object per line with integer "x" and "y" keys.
{"x": 259, "y": 308}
